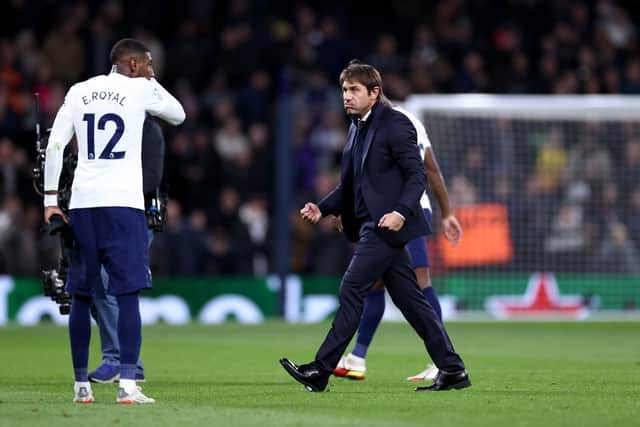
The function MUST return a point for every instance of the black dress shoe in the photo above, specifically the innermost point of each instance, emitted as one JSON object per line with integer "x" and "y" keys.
{"x": 310, "y": 375}
{"x": 448, "y": 381}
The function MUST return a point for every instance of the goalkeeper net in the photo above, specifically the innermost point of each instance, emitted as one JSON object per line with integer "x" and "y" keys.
{"x": 540, "y": 184}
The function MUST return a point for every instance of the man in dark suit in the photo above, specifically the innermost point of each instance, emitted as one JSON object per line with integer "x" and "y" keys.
{"x": 381, "y": 183}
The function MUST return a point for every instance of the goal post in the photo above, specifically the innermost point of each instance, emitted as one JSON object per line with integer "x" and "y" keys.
{"x": 541, "y": 184}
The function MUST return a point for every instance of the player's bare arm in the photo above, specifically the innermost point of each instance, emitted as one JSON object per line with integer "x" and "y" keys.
{"x": 450, "y": 224}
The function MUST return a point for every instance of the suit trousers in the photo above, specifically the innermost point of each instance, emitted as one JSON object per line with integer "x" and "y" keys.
{"x": 374, "y": 258}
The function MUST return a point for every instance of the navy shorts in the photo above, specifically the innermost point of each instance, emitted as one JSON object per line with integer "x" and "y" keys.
{"x": 113, "y": 237}
{"x": 418, "y": 248}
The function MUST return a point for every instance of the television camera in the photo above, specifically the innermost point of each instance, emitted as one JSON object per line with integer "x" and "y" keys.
{"x": 53, "y": 281}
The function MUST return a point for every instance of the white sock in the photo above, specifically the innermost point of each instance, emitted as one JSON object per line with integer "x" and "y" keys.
{"x": 356, "y": 358}
{"x": 129, "y": 386}
{"x": 79, "y": 384}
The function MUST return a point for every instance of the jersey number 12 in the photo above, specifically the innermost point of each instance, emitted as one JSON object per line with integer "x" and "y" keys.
{"x": 107, "y": 153}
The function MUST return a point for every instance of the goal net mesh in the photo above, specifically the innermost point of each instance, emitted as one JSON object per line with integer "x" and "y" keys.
{"x": 540, "y": 184}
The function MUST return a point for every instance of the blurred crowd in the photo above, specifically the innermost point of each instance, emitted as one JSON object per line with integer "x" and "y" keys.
{"x": 230, "y": 63}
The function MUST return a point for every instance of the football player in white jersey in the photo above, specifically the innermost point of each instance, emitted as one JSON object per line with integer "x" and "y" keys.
{"x": 353, "y": 366}
{"x": 106, "y": 210}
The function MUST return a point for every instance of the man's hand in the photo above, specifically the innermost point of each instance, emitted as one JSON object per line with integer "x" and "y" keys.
{"x": 49, "y": 211}
{"x": 452, "y": 229}
{"x": 391, "y": 221}
{"x": 311, "y": 213}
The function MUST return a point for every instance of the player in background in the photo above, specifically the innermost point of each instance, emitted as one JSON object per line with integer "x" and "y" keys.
{"x": 353, "y": 365}
{"x": 106, "y": 210}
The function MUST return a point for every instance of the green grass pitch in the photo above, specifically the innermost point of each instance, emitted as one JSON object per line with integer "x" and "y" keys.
{"x": 523, "y": 374}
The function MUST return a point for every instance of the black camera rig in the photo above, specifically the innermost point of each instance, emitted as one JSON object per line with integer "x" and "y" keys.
{"x": 156, "y": 210}
{"x": 54, "y": 280}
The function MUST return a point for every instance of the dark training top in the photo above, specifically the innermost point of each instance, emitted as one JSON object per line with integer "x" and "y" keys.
{"x": 152, "y": 155}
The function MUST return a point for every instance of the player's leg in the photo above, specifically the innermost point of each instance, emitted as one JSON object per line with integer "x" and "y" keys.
{"x": 130, "y": 336}
{"x": 424, "y": 281}
{"x": 105, "y": 312}
{"x": 80, "y": 337}
{"x": 124, "y": 243}
{"x": 420, "y": 262}
{"x": 83, "y": 273}
{"x": 371, "y": 317}
{"x": 353, "y": 366}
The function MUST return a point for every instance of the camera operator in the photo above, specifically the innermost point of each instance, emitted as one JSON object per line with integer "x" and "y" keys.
{"x": 105, "y": 307}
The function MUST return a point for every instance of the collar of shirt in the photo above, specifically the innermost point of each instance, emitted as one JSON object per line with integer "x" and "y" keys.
{"x": 360, "y": 121}
{"x": 366, "y": 116}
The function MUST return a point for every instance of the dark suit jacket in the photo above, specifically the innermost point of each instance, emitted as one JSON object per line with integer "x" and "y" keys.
{"x": 393, "y": 178}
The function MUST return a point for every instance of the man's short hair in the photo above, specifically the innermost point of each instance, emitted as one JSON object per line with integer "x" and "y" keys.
{"x": 126, "y": 47}
{"x": 362, "y": 73}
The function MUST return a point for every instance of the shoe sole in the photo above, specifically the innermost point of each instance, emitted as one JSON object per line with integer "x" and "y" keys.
{"x": 133, "y": 402}
{"x": 457, "y": 386}
{"x": 100, "y": 381}
{"x": 462, "y": 384}
{"x": 83, "y": 402}
{"x": 351, "y": 375}
{"x": 310, "y": 387}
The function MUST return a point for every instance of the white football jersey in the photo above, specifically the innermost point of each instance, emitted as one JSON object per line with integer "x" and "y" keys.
{"x": 423, "y": 143}
{"x": 106, "y": 113}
